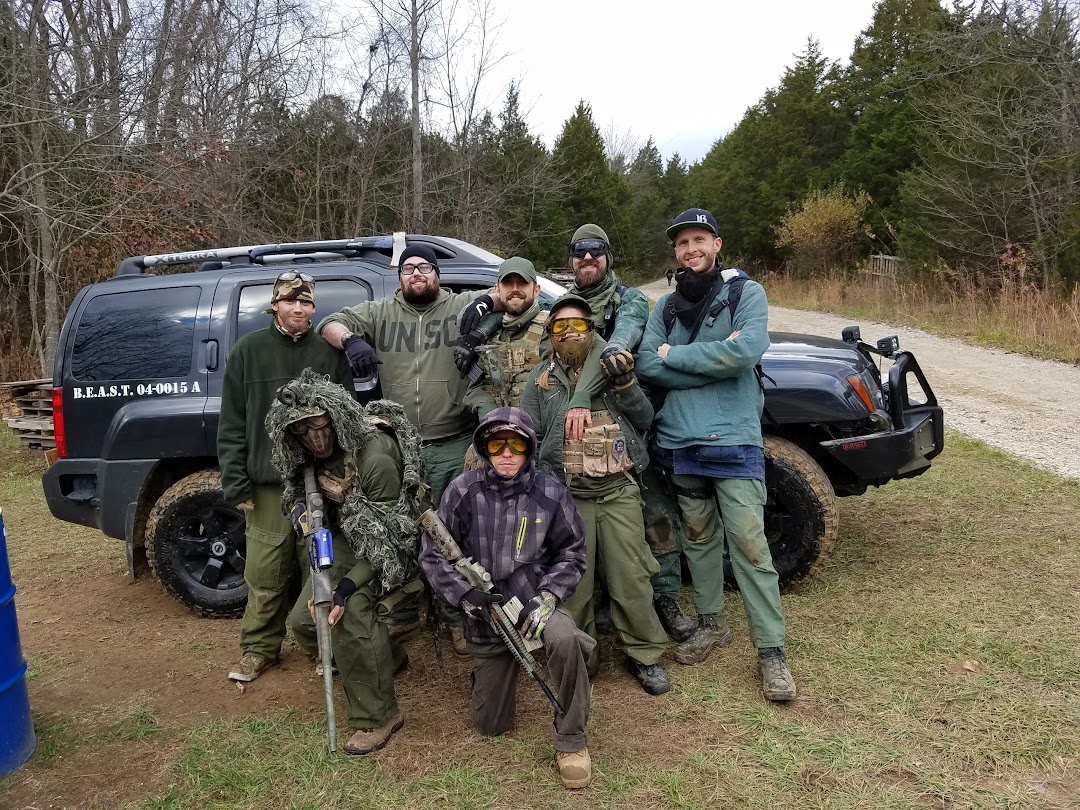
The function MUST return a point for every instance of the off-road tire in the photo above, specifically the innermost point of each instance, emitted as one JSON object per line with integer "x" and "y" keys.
{"x": 195, "y": 545}
{"x": 801, "y": 518}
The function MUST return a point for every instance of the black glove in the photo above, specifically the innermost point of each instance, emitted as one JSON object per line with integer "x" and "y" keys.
{"x": 477, "y": 601}
{"x": 618, "y": 364}
{"x": 361, "y": 356}
{"x": 474, "y": 312}
{"x": 300, "y": 518}
{"x": 465, "y": 352}
{"x": 343, "y": 591}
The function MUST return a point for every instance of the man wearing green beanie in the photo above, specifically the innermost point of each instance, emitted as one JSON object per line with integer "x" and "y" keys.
{"x": 619, "y": 316}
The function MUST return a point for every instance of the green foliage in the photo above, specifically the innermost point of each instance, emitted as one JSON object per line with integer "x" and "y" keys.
{"x": 825, "y": 231}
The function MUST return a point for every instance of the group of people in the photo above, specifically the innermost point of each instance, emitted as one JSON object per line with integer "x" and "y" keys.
{"x": 577, "y": 453}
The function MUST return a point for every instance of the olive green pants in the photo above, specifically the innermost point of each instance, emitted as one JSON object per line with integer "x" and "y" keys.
{"x": 617, "y": 552}
{"x": 273, "y": 558}
{"x": 361, "y": 644}
{"x": 731, "y": 509}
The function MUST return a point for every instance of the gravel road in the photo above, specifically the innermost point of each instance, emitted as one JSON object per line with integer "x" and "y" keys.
{"x": 1027, "y": 407}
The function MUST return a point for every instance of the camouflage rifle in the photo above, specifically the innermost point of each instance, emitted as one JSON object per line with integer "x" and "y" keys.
{"x": 321, "y": 555}
{"x": 479, "y": 578}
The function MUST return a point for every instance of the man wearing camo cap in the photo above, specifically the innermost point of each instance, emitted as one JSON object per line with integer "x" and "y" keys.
{"x": 257, "y": 366}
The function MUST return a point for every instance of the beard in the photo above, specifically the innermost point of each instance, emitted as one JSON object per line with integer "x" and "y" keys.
{"x": 421, "y": 297}
{"x": 516, "y": 306}
{"x": 586, "y": 275}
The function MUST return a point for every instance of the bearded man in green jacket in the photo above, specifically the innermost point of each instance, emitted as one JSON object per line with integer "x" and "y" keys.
{"x": 257, "y": 366}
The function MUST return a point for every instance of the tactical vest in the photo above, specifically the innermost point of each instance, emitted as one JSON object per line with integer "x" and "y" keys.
{"x": 516, "y": 359}
{"x": 601, "y": 452}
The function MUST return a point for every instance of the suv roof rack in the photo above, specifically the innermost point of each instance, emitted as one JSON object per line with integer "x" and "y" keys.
{"x": 381, "y": 248}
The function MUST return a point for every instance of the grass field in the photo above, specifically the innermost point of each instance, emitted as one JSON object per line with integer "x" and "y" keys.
{"x": 936, "y": 655}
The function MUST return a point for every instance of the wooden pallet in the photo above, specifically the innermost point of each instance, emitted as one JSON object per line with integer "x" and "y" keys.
{"x": 31, "y": 400}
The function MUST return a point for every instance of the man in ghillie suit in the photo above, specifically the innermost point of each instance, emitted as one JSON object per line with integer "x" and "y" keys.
{"x": 369, "y": 471}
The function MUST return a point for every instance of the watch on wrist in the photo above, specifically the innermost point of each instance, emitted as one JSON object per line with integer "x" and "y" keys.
{"x": 346, "y": 336}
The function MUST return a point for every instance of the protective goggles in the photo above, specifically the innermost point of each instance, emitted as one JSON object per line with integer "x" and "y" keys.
{"x": 594, "y": 247}
{"x": 518, "y": 445}
{"x": 311, "y": 423}
{"x": 425, "y": 268}
{"x": 576, "y": 325}
{"x": 292, "y": 275}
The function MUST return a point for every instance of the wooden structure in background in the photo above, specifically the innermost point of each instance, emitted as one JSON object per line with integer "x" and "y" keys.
{"x": 28, "y": 406}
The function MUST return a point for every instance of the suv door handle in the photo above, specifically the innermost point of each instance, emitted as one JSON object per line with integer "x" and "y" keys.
{"x": 211, "y": 354}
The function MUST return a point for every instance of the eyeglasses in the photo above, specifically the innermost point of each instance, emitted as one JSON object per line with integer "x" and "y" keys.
{"x": 579, "y": 325}
{"x": 594, "y": 247}
{"x": 425, "y": 268}
{"x": 517, "y": 444}
{"x": 304, "y": 425}
{"x": 292, "y": 275}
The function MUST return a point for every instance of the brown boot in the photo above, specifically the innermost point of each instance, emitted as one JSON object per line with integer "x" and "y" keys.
{"x": 457, "y": 638}
{"x": 575, "y": 768}
{"x": 712, "y": 632}
{"x": 366, "y": 740}
{"x": 251, "y": 666}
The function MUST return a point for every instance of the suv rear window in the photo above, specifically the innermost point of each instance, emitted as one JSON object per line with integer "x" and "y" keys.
{"x": 142, "y": 335}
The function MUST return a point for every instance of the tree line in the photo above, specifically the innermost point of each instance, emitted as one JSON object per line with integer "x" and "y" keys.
{"x": 950, "y": 137}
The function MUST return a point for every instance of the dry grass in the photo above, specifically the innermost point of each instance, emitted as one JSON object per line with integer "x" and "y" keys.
{"x": 1021, "y": 318}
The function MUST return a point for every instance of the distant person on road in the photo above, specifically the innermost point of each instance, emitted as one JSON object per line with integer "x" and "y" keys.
{"x": 708, "y": 435}
{"x": 670, "y": 273}
{"x": 368, "y": 470}
{"x": 257, "y": 366}
{"x": 410, "y": 339}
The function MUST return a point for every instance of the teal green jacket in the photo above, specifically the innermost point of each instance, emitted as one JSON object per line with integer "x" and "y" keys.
{"x": 259, "y": 364}
{"x": 713, "y": 394}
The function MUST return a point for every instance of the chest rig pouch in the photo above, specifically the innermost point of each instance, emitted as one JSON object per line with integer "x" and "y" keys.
{"x": 601, "y": 452}
{"x": 334, "y": 487}
{"x": 515, "y": 360}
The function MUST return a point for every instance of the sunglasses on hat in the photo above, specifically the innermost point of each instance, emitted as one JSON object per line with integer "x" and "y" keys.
{"x": 578, "y": 325}
{"x": 292, "y": 275}
{"x": 594, "y": 247}
{"x": 517, "y": 444}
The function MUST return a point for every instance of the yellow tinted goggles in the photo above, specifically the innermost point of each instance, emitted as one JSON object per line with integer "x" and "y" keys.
{"x": 579, "y": 325}
{"x": 518, "y": 446}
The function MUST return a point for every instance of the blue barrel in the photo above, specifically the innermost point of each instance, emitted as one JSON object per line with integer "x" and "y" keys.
{"x": 17, "y": 739}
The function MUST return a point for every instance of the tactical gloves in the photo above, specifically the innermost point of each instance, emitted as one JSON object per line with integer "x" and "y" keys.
{"x": 618, "y": 364}
{"x": 343, "y": 591}
{"x": 475, "y": 601}
{"x": 465, "y": 352}
{"x": 474, "y": 312}
{"x": 300, "y": 518}
{"x": 537, "y": 612}
{"x": 361, "y": 356}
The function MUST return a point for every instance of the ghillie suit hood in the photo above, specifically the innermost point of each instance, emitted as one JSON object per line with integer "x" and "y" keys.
{"x": 383, "y": 534}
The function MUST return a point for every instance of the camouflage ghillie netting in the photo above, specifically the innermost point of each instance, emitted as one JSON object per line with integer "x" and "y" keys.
{"x": 382, "y": 533}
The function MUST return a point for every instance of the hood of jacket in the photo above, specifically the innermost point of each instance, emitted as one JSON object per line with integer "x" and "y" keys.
{"x": 507, "y": 418}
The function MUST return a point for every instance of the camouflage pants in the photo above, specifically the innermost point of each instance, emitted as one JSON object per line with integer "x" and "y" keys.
{"x": 731, "y": 510}
{"x": 273, "y": 557}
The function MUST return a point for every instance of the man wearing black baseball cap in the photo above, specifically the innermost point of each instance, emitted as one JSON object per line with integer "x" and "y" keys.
{"x": 708, "y": 437}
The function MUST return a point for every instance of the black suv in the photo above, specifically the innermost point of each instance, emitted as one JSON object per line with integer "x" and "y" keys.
{"x": 137, "y": 394}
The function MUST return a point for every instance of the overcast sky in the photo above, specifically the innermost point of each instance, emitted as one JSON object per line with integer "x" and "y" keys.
{"x": 682, "y": 72}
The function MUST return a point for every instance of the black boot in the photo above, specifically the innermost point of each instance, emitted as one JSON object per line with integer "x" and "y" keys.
{"x": 604, "y": 625}
{"x": 652, "y": 677}
{"x": 678, "y": 625}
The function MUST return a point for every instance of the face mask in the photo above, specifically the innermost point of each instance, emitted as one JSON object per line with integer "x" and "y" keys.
{"x": 571, "y": 348}
{"x": 693, "y": 286}
{"x": 316, "y": 434}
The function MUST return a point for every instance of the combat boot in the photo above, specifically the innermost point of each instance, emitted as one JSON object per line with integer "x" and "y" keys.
{"x": 575, "y": 768}
{"x": 652, "y": 677}
{"x": 776, "y": 680}
{"x": 677, "y": 624}
{"x": 251, "y": 666}
{"x": 366, "y": 740}
{"x": 712, "y": 632}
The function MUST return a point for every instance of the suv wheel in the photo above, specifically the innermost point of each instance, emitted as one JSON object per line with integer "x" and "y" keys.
{"x": 195, "y": 545}
{"x": 801, "y": 517}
